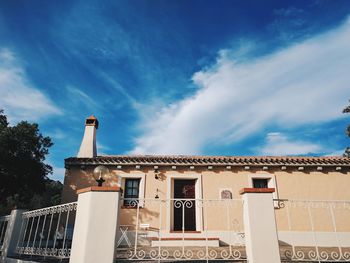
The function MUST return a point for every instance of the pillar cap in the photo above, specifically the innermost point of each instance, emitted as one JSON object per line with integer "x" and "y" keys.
{"x": 99, "y": 189}
{"x": 256, "y": 190}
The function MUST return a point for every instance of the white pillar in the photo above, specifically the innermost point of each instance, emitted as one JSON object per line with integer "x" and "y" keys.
{"x": 260, "y": 225}
{"x": 96, "y": 225}
{"x": 12, "y": 233}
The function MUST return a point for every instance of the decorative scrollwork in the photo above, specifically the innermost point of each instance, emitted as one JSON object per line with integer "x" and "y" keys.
{"x": 178, "y": 203}
{"x": 323, "y": 255}
{"x": 213, "y": 254}
{"x": 225, "y": 254}
{"x": 164, "y": 254}
{"x": 335, "y": 255}
{"x": 346, "y": 255}
{"x": 153, "y": 254}
{"x": 50, "y": 210}
{"x": 201, "y": 254}
{"x": 177, "y": 254}
{"x": 188, "y": 254}
{"x": 236, "y": 254}
{"x": 312, "y": 254}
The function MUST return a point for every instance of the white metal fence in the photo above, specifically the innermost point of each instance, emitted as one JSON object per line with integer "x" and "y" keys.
{"x": 314, "y": 231}
{"x": 181, "y": 229}
{"x": 3, "y": 227}
{"x": 47, "y": 232}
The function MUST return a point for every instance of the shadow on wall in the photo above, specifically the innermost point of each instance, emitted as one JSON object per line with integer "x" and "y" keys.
{"x": 76, "y": 178}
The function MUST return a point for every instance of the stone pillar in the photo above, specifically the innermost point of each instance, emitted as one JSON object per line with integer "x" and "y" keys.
{"x": 96, "y": 225}
{"x": 12, "y": 233}
{"x": 260, "y": 225}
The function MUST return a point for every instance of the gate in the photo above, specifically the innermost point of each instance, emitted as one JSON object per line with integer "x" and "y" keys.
{"x": 147, "y": 233}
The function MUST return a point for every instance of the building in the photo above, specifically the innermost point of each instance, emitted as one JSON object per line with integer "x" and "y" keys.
{"x": 192, "y": 198}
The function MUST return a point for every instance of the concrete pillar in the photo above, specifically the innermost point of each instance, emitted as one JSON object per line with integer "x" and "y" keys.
{"x": 260, "y": 225}
{"x": 12, "y": 233}
{"x": 96, "y": 225}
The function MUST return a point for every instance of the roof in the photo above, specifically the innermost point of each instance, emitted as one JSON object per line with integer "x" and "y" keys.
{"x": 182, "y": 160}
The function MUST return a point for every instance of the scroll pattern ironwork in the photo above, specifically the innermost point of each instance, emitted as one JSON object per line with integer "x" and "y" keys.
{"x": 150, "y": 244}
{"x": 317, "y": 252}
{"x": 47, "y": 232}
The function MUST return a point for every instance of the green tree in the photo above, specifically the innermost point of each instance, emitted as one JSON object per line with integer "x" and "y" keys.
{"x": 347, "y": 150}
{"x": 24, "y": 181}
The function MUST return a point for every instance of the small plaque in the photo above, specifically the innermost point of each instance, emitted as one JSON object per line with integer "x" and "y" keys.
{"x": 226, "y": 194}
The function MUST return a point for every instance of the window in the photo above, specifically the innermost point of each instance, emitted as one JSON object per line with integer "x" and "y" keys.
{"x": 264, "y": 180}
{"x": 131, "y": 192}
{"x": 260, "y": 183}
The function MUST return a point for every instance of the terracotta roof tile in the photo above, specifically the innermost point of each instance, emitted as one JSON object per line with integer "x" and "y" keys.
{"x": 211, "y": 160}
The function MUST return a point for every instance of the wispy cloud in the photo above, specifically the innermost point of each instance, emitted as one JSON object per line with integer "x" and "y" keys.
{"x": 305, "y": 83}
{"x": 57, "y": 134}
{"x": 279, "y": 144}
{"x": 101, "y": 149}
{"x": 18, "y": 97}
{"x": 336, "y": 153}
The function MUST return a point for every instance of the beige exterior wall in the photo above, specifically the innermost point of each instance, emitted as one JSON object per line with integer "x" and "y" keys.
{"x": 327, "y": 184}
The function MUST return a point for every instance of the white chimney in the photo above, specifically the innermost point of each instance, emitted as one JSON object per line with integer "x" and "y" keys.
{"x": 88, "y": 145}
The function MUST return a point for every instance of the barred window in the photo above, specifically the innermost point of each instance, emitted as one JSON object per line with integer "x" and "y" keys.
{"x": 131, "y": 192}
{"x": 260, "y": 183}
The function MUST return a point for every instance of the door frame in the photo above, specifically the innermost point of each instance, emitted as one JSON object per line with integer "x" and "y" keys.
{"x": 170, "y": 195}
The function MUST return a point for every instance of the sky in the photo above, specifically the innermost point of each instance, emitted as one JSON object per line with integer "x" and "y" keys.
{"x": 179, "y": 77}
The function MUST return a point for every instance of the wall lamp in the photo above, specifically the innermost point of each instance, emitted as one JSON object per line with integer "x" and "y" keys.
{"x": 99, "y": 173}
{"x": 156, "y": 173}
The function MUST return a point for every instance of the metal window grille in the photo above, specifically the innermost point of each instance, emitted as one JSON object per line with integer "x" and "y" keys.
{"x": 131, "y": 192}
{"x": 260, "y": 183}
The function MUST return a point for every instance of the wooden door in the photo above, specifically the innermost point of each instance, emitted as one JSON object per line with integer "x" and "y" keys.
{"x": 185, "y": 189}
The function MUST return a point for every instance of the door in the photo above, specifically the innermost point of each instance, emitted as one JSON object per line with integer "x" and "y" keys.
{"x": 184, "y": 189}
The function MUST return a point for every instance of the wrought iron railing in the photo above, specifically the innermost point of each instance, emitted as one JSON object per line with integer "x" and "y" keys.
{"x": 181, "y": 229}
{"x": 47, "y": 232}
{"x": 3, "y": 227}
{"x": 314, "y": 231}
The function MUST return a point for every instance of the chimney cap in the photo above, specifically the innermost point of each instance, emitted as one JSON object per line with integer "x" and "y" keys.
{"x": 91, "y": 121}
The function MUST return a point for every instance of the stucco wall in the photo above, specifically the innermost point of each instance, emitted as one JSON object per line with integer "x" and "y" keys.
{"x": 290, "y": 184}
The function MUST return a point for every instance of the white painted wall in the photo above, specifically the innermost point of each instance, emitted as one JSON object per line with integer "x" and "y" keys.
{"x": 260, "y": 228}
{"x": 322, "y": 239}
{"x": 95, "y": 228}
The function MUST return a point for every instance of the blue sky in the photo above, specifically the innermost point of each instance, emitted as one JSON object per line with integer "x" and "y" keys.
{"x": 179, "y": 77}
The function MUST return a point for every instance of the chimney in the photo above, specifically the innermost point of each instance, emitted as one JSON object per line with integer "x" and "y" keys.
{"x": 88, "y": 145}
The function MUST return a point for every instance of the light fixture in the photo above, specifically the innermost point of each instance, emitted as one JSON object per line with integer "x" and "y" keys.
{"x": 156, "y": 173}
{"x": 99, "y": 173}
{"x": 157, "y": 196}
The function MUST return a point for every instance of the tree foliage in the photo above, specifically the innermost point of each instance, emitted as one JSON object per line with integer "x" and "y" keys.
{"x": 24, "y": 181}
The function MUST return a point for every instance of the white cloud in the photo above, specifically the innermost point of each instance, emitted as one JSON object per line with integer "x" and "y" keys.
{"x": 305, "y": 83}
{"x": 336, "y": 153}
{"x": 78, "y": 96}
{"x": 280, "y": 144}
{"x": 19, "y": 99}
